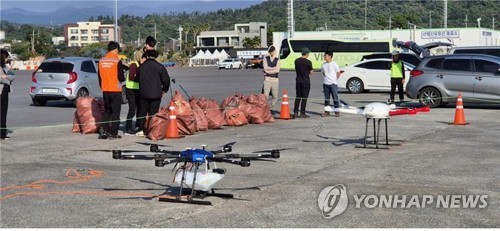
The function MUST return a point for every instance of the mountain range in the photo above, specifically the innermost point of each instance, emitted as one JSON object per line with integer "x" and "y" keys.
{"x": 71, "y": 14}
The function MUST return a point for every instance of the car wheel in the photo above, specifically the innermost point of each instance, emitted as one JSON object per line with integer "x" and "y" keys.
{"x": 355, "y": 85}
{"x": 218, "y": 68}
{"x": 124, "y": 95}
{"x": 39, "y": 102}
{"x": 430, "y": 96}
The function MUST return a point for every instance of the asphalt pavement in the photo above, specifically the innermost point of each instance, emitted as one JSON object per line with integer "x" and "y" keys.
{"x": 427, "y": 157}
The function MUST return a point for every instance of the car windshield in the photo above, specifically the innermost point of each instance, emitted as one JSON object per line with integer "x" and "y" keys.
{"x": 55, "y": 67}
{"x": 227, "y": 60}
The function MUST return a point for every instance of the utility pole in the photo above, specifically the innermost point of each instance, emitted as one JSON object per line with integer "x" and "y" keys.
{"x": 430, "y": 19}
{"x": 493, "y": 24}
{"x": 33, "y": 43}
{"x": 155, "y": 31}
{"x": 180, "y": 37}
{"x": 390, "y": 25}
{"x": 116, "y": 22}
{"x": 290, "y": 20}
{"x": 366, "y": 11}
{"x": 466, "y": 20}
{"x": 445, "y": 14}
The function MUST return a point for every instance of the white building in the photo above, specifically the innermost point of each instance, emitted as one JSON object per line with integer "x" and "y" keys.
{"x": 58, "y": 40}
{"x": 84, "y": 33}
{"x": 2, "y": 35}
{"x": 456, "y": 36}
{"x": 233, "y": 38}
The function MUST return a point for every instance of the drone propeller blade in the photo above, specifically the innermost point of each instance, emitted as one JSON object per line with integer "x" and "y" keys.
{"x": 110, "y": 150}
{"x": 137, "y": 157}
{"x": 148, "y": 144}
{"x": 272, "y": 150}
{"x": 260, "y": 159}
{"x": 228, "y": 144}
{"x": 247, "y": 156}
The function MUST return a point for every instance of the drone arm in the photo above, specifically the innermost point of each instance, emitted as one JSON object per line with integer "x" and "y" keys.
{"x": 243, "y": 162}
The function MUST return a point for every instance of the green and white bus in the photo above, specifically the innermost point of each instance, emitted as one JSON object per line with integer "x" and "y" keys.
{"x": 344, "y": 52}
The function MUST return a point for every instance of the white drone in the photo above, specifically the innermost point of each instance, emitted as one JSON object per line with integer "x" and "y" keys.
{"x": 380, "y": 111}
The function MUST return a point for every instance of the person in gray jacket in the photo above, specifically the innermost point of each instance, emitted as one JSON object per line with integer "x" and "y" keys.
{"x": 271, "y": 82}
{"x": 6, "y": 79}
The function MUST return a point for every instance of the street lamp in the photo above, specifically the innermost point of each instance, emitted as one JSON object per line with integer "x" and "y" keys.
{"x": 180, "y": 37}
{"x": 479, "y": 22}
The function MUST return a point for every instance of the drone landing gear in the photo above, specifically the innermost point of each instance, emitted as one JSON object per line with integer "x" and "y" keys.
{"x": 376, "y": 133}
{"x": 188, "y": 199}
{"x": 220, "y": 195}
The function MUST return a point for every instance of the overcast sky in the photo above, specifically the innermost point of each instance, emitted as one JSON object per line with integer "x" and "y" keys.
{"x": 51, "y": 5}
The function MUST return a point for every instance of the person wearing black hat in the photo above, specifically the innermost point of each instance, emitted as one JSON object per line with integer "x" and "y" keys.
{"x": 271, "y": 69}
{"x": 154, "y": 81}
{"x": 303, "y": 69}
{"x": 149, "y": 45}
{"x": 397, "y": 77}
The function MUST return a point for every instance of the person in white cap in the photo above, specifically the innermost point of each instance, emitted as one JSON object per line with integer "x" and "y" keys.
{"x": 397, "y": 77}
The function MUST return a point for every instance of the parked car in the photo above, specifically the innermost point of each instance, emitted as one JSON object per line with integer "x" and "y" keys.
{"x": 230, "y": 64}
{"x": 438, "y": 80}
{"x": 168, "y": 64}
{"x": 486, "y": 50}
{"x": 256, "y": 62}
{"x": 65, "y": 79}
{"x": 371, "y": 74}
{"x": 406, "y": 57}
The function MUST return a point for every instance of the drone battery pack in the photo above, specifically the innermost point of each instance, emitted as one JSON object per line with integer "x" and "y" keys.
{"x": 204, "y": 180}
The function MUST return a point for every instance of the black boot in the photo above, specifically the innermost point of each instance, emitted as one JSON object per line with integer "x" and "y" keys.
{"x": 102, "y": 134}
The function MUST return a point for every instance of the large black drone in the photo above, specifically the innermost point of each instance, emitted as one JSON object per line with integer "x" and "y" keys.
{"x": 187, "y": 168}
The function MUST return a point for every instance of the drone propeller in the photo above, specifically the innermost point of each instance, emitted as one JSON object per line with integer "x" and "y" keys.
{"x": 111, "y": 150}
{"x": 260, "y": 159}
{"x": 272, "y": 150}
{"x": 228, "y": 144}
{"x": 275, "y": 155}
{"x": 154, "y": 148}
{"x": 148, "y": 144}
{"x": 225, "y": 148}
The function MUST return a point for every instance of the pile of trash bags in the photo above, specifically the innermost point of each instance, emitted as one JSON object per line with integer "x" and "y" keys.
{"x": 195, "y": 115}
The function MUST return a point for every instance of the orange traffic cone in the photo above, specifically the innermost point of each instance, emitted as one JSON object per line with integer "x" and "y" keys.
{"x": 172, "y": 130}
{"x": 285, "y": 107}
{"x": 459, "y": 112}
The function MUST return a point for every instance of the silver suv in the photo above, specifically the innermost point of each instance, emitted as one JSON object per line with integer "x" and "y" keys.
{"x": 438, "y": 80}
{"x": 65, "y": 79}
{"x": 487, "y": 50}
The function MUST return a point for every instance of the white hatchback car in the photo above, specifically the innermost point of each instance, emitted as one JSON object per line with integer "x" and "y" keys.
{"x": 230, "y": 64}
{"x": 372, "y": 74}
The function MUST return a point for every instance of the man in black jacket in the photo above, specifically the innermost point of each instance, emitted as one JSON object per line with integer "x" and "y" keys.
{"x": 154, "y": 81}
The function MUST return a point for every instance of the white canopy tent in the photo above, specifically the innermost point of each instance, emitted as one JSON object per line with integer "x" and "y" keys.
{"x": 208, "y": 58}
{"x": 224, "y": 54}
{"x": 197, "y": 59}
